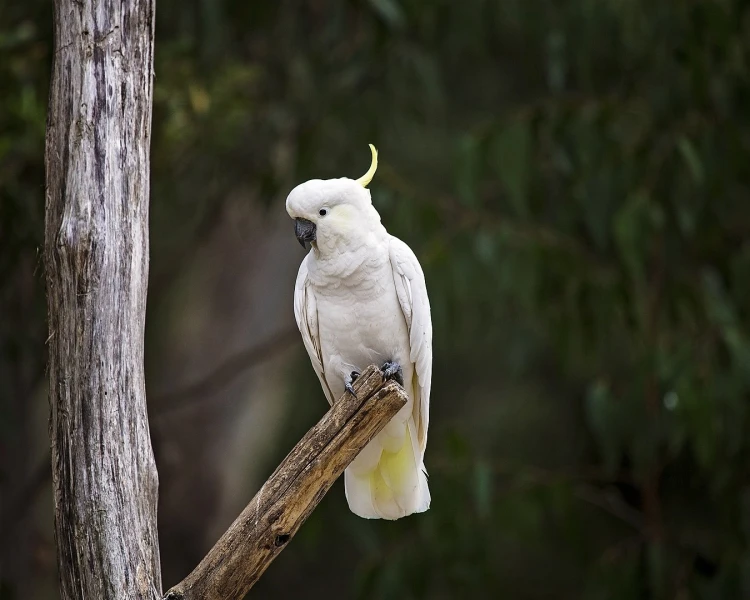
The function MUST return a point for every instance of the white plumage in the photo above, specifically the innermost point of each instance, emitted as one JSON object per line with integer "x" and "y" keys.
{"x": 361, "y": 298}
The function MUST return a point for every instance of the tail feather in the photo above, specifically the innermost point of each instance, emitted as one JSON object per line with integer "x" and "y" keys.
{"x": 394, "y": 485}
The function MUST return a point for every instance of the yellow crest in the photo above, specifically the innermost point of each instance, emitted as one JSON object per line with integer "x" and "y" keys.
{"x": 367, "y": 177}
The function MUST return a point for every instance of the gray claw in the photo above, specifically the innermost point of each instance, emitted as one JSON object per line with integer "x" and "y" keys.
{"x": 392, "y": 370}
{"x": 350, "y": 379}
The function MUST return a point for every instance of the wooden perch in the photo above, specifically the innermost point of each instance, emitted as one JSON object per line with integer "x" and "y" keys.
{"x": 278, "y": 510}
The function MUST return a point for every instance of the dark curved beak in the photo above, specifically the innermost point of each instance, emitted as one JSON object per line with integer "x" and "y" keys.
{"x": 305, "y": 231}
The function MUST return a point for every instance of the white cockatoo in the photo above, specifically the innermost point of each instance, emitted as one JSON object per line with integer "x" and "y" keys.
{"x": 360, "y": 298}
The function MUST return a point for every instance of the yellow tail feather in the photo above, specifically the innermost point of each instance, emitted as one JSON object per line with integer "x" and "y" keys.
{"x": 395, "y": 486}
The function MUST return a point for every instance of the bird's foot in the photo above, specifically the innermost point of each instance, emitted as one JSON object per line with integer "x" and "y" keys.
{"x": 350, "y": 379}
{"x": 392, "y": 370}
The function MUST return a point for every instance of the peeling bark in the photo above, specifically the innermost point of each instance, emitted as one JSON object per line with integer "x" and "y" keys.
{"x": 96, "y": 258}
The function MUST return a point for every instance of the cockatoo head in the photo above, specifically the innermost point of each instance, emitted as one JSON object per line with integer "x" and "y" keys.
{"x": 327, "y": 212}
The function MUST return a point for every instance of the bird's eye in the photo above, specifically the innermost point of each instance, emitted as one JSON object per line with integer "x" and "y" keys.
{"x": 322, "y": 212}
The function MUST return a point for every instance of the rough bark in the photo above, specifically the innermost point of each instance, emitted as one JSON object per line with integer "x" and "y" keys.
{"x": 277, "y": 511}
{"x": 96, "y": 257}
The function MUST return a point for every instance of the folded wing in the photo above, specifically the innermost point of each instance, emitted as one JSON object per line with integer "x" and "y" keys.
{"x": 412, "y": 295}
{"x": 306, "y": 315}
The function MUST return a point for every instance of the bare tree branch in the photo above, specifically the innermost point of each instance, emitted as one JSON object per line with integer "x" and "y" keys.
{"x": 191, "y": 395}
{"x": 196, "y": 392}
{"x": 278, "y": 510}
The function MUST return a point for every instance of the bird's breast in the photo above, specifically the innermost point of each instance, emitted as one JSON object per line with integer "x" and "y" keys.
{"x": 361, "y": 324}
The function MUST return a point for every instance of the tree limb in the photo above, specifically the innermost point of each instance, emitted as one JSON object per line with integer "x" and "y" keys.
{"x": 197, "y": 392}
{"x": 189, "y": 396}
{"x": 278, "y": 510}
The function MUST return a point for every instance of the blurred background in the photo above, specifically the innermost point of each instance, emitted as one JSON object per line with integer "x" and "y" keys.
{"x": 574, "y": 178}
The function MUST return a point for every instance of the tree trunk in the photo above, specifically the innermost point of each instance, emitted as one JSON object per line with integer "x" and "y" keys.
{"x": 96, "y": 256}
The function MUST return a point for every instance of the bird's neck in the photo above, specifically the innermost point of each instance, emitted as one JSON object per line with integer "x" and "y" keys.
{"x": 362, "y": 234}
{"x": 345, "y": 257}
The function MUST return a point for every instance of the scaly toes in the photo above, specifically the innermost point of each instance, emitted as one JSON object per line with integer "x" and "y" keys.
{"x": 350, "y": 379}
{"x": 392, "y": 370}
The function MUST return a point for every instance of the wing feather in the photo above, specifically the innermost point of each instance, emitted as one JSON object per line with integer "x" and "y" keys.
{"x": 306, "y": 315}
{"x": 415, "y": 304}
